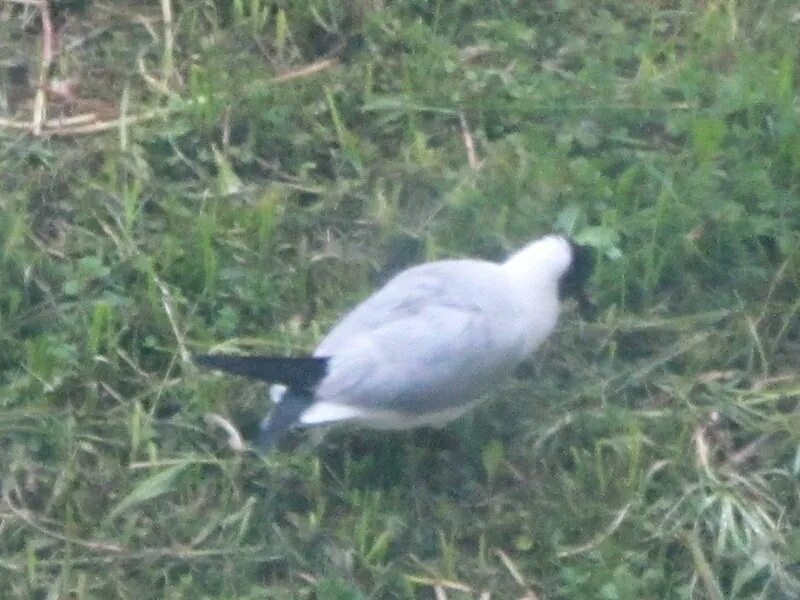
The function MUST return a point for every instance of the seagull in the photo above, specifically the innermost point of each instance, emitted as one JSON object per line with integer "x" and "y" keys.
{"x": 426, "y": 347}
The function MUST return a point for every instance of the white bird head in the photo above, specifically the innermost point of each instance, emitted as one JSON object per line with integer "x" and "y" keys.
{"x": 558, "y": 260}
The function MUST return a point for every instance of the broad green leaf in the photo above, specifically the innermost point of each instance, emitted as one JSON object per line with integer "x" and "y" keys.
{"x": 149, "y": 488}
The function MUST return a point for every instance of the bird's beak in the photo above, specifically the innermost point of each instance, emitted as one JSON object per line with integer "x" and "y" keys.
{"x": 587, "y": 308}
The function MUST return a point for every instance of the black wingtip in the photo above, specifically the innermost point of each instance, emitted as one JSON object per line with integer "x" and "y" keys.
{"x": 305, "y": 372}
{"x": 284, "y": 416}
{"x": 203, "y": 360}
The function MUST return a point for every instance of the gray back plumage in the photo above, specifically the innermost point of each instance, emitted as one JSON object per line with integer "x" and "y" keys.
{"x": 432, "y": 338}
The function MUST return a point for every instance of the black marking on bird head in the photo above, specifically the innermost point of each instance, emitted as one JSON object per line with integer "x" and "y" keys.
{"x": 573, "y": 282}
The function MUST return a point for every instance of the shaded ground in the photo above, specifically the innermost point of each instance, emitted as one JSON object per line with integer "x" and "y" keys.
{"x": 239, "y": 178}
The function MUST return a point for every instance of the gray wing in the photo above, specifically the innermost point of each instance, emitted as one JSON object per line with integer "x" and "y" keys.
{"x": 416, "y": 352}
{"x": 402, "y": 297}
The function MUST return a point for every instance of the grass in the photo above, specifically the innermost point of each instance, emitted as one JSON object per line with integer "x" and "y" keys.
{"x": 255, "y": 168}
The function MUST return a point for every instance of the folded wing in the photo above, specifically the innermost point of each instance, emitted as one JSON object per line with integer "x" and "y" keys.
{"x": 438, "y": 359}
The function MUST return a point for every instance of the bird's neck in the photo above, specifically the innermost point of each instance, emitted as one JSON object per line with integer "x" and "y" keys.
{"x": 539, "y": 265}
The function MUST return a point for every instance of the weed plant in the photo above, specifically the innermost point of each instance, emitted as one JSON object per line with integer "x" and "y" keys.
{"x": 252, "y": 169}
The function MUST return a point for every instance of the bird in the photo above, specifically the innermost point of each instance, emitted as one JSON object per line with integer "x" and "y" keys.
{"x": 427, "y": 346}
